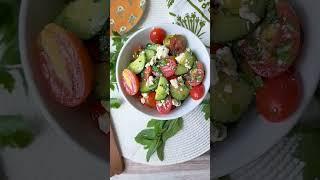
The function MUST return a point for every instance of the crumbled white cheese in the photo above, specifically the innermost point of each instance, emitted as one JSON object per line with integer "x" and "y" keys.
{"x": 174, "y": 83}
{"x": 180, "y": 57}
{"x": 226, "y": 63}
{"x": 245, "y": 13}
{"x": 103, "y": 123}
{"x": 143, "y": 100}
{"x": 145, "y": 95}
{"x": 228, "y": 88}
{"x": 176, "y": 103}
{"x": 162, "y": 52}
{"x": 150, "y": 81}
{"x": 180, "y": 79}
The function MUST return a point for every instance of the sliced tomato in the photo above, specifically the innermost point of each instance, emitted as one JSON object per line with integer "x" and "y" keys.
{"x": 147, "y": 72}
{"x": 172, "y": 77}
{"x": 197, "y": 92}
{"x": 195, "y": 77}
{"x": 157, "y": 35}
{"x": 150, "y": 100}
{"x": 279, "y": 97}
{"x": 130, "y": 82}
{"x": 286, "y": 32}
{"x": 169, "y": 68}
{"x": 65, "y": 65}
{"x": 200, "y": 65}
{"x": 164, "y": 107}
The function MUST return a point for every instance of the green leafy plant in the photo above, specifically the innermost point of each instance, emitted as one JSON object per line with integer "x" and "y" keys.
{"x": 205, "y": 105}
{"x": 14, "y": 132}
{"x": 170, "y": 3}
{"x": 115, "y": 103}
{"x": 154, "y": 137}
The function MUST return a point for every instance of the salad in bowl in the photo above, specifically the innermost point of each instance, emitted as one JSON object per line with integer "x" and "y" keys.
{"x": 164, "y": 76}
{"x": 256, "y": 47}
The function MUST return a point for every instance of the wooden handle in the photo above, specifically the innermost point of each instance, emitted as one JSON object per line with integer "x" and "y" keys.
{"x": 116, "y": 161}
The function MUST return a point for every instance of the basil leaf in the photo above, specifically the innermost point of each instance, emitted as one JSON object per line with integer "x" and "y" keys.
{"x": 160, "y": 150}
{"x": 153, "y": 148}
{"x": 145, "y": 134}
{"x": 115, "y": 103}
{"x": 173, "y": 127}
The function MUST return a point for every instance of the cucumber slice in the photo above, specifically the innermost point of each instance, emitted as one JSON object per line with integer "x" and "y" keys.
{"x": 138, "y": 65}
{"x": 144, "y": 88}
{"x": 150, "y": 54}
{"x": 162, "y": 89}
{"x": 101, "y": 89}
{"x": 152, "y": 47}
{"x": 186, "y": 59}
{"x": 231, "y": 98}
{"x": 181, "y": 93}
{"x": 84, "y": 17}
{"x": 181, "y": 70}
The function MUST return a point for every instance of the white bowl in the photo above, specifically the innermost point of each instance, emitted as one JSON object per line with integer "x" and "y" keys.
{"x": 73, "y": 124}
{"x": 253, "y": 135}
{"x": 141, "y": 37}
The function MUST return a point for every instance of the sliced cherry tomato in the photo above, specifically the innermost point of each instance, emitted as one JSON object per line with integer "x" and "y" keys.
{"x": 274, "y": 39}
{"x": 150, "y": 100}
{"x": 130, "y": 82}
{"x": 178, "y": 44}
{"x": 147, "y": 72}
{"x": 165, "y": 107}
{"x": 157, "y": 35}
{"x": 172, "y": 77}
{"x": 195, "y": 77}
{"x": 169, "y": 68}
{"x": 279, "y": 97}
{"x": 200, "y": 65}
{"x": 197, "y": 92}
{"x": 65, "y": 65}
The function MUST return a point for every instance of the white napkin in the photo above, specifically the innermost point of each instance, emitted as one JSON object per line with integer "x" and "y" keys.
{"x": 193, "y": 15}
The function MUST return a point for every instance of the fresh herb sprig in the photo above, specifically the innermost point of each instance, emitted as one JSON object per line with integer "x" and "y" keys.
{"x": 154, "y": 137}
{"x": 205, "y": 108}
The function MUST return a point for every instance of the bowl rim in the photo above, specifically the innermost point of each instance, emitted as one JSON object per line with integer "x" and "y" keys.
{"x": 33, "y": 90}
{"x": 207, "y": 74}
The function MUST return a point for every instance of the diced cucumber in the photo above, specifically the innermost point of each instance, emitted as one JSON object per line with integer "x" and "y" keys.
{"x": 84, "y": 17}
{"x": 181, "y": 70}
{"x": 152, "y": 47}
{"x": 138, "y": 65}
{"x": 101, "y": 89}
{"x": 144, "y": 88}
{"x": 181, "y": 93}
{"x": 150, "y": 54}
{"x": 162, "y": 89}
{"x": 186, "y": 59}
{"x": 231, "y": 98}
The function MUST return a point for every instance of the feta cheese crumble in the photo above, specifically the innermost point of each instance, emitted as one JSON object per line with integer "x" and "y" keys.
{"x": 162, "y": 52}
{"x": 150, "y": 81}
{"x": 245, "y": 13}
{"x": 176, "y": 103}
{"x": 174, "y": 83}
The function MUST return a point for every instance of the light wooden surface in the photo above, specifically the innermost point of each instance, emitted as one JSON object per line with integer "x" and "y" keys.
{"x": 198, "y": 169}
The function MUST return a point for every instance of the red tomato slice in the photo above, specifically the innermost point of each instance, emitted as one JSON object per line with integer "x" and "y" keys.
{"x": 197, "y": 92}
{"x": 65, "y": 65}
{"x": 164, "y": 108}
{"x": 147, "y": 72}
{"x": 169, "y": 69}
{"x": 157, "y": 35}
{"x": 195, "y": 77}
{"x": 268, "y": 64}
{"x": 150, "y": 100}
{"x": 279, "y": 97}
{"x": 130, "y": 82}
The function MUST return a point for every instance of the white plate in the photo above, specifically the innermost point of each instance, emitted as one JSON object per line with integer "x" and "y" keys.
{"x": 192, "y": 141}
{"x": 254, "y": 136}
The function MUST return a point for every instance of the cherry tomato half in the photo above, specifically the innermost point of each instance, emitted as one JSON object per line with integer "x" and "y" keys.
{"x": 197, "y": 92}
{"x": 279, "y": 97}
{"x": 169, "y": 68}
{"x": 150, "y": 100}
{"x": 165, "y": 107}
{"x": 195, "y": 77}
{"x": 147, "y": 72}
{"x": 130, "y": 82}
{"x": 65, "y": 65}
{"x": 157, "y": 35}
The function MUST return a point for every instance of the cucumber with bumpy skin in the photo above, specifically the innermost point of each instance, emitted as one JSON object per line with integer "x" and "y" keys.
{"x": 138, "y": 65}
{"x": 85, "y": 18}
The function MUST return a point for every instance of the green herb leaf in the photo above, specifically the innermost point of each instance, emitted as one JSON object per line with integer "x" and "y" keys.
{"x": 6, "y": 80}
{"x": 160, "y": 150}
{"x": 153, "y": 148}
{"x": 115, "y": 103}
{"x": 14, "y": 132}
{"x": 173, "y": 127}
{"x": 206, "y": 108}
